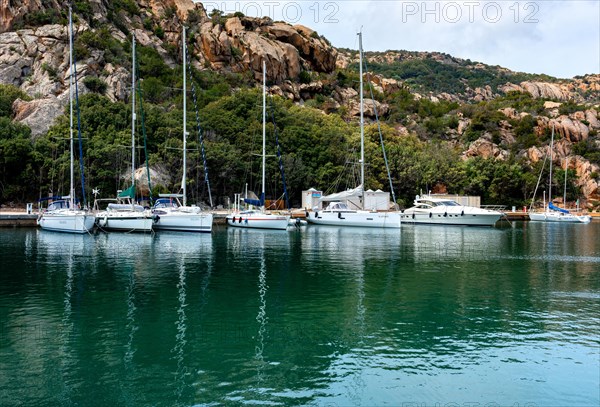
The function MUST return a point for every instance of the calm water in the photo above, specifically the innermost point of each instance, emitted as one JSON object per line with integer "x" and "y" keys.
{"x": 424, "y": 316}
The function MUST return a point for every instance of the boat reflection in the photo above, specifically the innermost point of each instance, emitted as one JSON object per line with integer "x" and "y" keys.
{"x": 441, "y": 243}
{"x": 64, "y": 246}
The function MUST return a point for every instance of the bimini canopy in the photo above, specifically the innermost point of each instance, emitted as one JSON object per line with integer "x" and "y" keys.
{"x": 343, "y": 196}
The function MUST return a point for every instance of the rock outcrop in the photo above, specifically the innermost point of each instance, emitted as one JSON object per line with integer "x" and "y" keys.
{"x": 159, "y": 176}
{"x": 485, "y": 149}
{"x": 38, "y": 114}
{"x": 585, "y": 170}
{"x": 566, "y": 127}
{"x": 563, "y": 90}
{"x": 242, "y": 43}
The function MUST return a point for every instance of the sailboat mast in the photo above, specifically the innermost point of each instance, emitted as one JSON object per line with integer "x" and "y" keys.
{"x": 362, "y": 120}
{"x": 550, "y": 182}
{"x": 183, "y": 186}
{"x": 133, "y": 112}
{"x": 72, "y": 182}
{"x": 565, "y": 191}
{"x": 264, "y": 131}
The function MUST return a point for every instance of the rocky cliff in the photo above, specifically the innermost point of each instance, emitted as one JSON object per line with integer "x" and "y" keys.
{"x": 36, "y": 59}
{"x": 301, "y": 66}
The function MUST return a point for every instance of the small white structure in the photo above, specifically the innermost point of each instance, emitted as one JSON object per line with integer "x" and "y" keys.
{"x": 377, "y": 200}
{"x": 311, "y": 198}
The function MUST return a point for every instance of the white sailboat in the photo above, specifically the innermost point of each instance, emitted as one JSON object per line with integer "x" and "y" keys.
{"x": 337, "y": 213}
{"x": 62, "y": 215}
{"x": 122, "y": 214}
{"x": 553, "y": 213}
{"x": 259, "y": 219}
{"x": 171, "y": 212}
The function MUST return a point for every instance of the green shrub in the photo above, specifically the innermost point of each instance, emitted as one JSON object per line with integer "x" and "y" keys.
{"x": 50, "y": 70}
{"x": 8, "y": 94}
{"x": 95, "y": 84}
{"x": 570, "y": 107}
{"x": 304, "y": 77}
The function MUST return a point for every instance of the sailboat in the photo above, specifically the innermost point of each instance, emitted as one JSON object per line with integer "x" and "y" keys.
{"x": 171, "y": 212}
{"x": 553, "y": 213}
{"x": 337, "y": 213}
{"x": 122, "y": 214}
{"x": 259, "y": 219}
{"x": 62, "y": 215}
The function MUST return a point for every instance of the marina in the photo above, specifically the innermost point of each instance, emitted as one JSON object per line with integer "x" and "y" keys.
{"x": 23, "y": 219}
{"x": 129, "y": 276}
{"x": 322, "y": 316}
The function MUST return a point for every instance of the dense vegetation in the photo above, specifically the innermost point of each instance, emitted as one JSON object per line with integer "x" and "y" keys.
{"x": 449, "y": 75}
{"x": 319, "y": 150}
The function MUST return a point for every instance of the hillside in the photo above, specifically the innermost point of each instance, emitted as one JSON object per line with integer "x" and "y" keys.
{"x": 448, "y": 124}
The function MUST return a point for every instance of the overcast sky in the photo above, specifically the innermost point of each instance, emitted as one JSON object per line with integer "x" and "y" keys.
{"x": 556, "y": 37}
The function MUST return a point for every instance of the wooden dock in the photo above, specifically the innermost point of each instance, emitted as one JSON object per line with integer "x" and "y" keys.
{"x": 18, "y": 219}
{"x": 518, "y": 215}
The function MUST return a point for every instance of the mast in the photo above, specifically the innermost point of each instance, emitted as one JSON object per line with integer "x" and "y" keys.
{"x": 264, "y": 132}
{"x": 565, "y": 191}
{"x": 183, "y": 186}
{"x": 72, "y": 182}
{"x": 133, "y": 113}
{"x": 550, "y": 182}
{"x": 362, "y": 123}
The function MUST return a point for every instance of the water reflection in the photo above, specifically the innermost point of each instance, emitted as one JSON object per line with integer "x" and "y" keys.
{"x": 325, "y": 316}
{"x": 440, "y": 244}
{"x": 262, "y": 320}
{"x": 180, "y": 341}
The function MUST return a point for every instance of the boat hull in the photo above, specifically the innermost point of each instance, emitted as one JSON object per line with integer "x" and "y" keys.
{"x": 70, "y": 222}
{"x": 124, "y": 223}
{"x": 258, "y": 221}
{"x": 356, "y": 219}
{"x": 184, "y": 222}
{"x": 558, "y": 217}
{"x": 452, "y": 216}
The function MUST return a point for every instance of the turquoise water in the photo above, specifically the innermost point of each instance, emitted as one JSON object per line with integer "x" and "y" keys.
{"x": 425, "y": 316}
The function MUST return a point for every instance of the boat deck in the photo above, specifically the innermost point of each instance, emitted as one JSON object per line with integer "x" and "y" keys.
{"x": 21, "y": 218}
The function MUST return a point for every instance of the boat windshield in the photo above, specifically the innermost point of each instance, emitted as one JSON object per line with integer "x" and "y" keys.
{"x": 165, "y": 203}
{"x": 58, "y": 205}
{"x": 337, "y": 206}
{"x": 448, "y": 203}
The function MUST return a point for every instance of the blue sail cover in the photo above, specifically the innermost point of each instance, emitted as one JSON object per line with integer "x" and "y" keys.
{"x": 556, "y": 208}
{"x": 256, "y": 202}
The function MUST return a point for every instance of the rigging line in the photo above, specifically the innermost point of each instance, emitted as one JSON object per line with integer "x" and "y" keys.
{"x": 143, "y": 116}
{"x": 78, "y": 124}
{"x": 198, "y": 127}
{"x": 538, "y": 181}
{"x": 387, "y": 168}
{"x": 250, "y": 163}
{"x": 279, "y": 156}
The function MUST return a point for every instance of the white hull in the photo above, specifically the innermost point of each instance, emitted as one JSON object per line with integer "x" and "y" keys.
{"x": 482, "y": 219}
{"x": 559, "y": 217}
{"x": 124, "y": 222}
{"x": 429, "y": 210}
{"x": 67, "y": 222}
{"x": 258, "y": 221}
{"x": 184, "y": 221}
{"x": 356, "y": 219}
